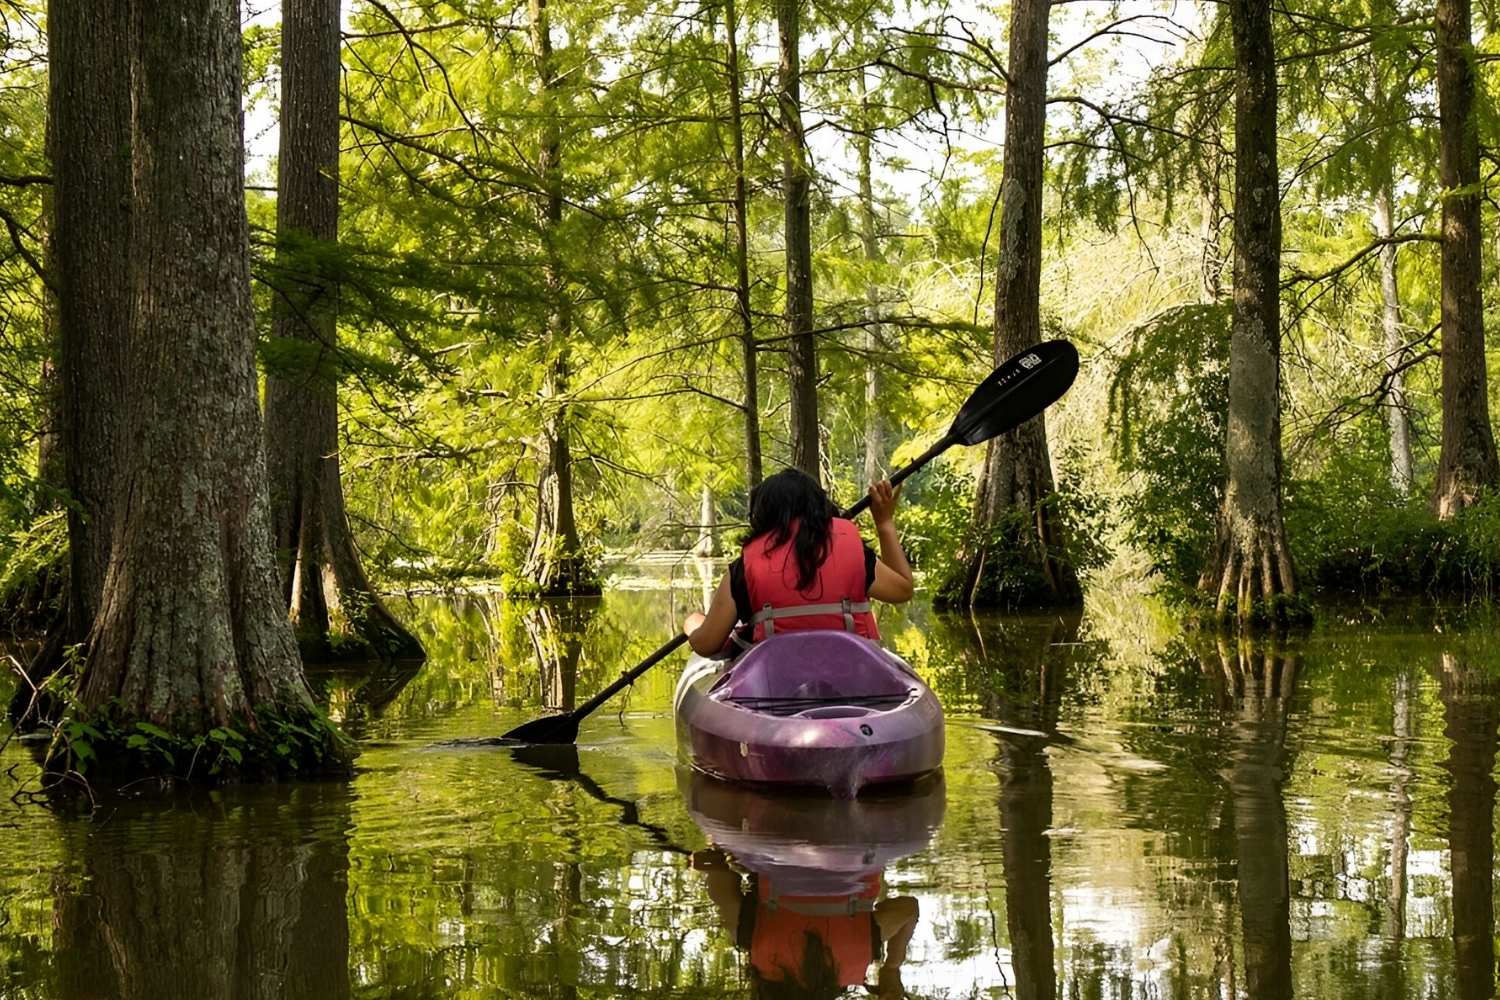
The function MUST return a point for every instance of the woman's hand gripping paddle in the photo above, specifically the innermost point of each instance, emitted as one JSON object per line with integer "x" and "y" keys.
{"x": 1013, "y": 393}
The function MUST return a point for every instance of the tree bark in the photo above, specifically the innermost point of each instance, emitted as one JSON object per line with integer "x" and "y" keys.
{"x": 1250, "y": 560}
{"x": 754, "y": 467}
{"x": 89, "y": 146}
{"x": 556, "y": 564}
{"x": 1471, "y": 713}
{"x": 323, "y": 581}
{"x": 1398, "y": 427}
{"x": 1016, "y": 487}
{"x": 191, "y": 631}
{"x": 875, "y": 347}
{"x": 90, "y": 126}
{"x": 802, "y": 351}
{"x": 1467, "y": 464}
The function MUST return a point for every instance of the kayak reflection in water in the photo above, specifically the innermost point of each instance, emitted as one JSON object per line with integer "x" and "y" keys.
{"x": 812, "y": 945}
{"x": 810, "y": 914}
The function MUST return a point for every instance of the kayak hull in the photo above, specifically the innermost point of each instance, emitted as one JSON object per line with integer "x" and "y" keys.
{"x": 823, "y": 710}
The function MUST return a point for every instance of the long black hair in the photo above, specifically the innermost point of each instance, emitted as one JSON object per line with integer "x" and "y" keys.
{"x": 791, "y": 502}
{"x": 817, "y": 979}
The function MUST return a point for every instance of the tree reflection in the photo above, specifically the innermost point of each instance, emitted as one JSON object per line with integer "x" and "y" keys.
{"x": 554, "y": 632}
{"x": 355, "y": 697}
{"x": 241, "y": 895}
{"x": 1033, "y": 675}
{"x": 1258, "y": 685}
{"x": 1470, "y": 714}
{"x": 1393, "y": 915}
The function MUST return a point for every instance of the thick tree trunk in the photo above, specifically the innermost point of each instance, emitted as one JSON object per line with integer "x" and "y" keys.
{"x": 1016, "y": 487}
{"x": 754, "y": 467}
{"x": 1250, "y": 561}
{"x": 191, "y": 631}
{"x": 323, "y": 581}
{"x": 556, "y": 564}
{"x": 1263, "y": 689}
{"x": 1467, "y": 464}
{"x": 89, "y": 146}
{"x": 875, "y": 347}
{"x": 1398, "y": 426}
{"x": 1471, "y": 713}
{"x": 90, "y": 129}
{"x": 802, "y": 351}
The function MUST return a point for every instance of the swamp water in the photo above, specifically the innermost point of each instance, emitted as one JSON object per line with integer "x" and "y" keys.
{"x": 1198, "y": 821}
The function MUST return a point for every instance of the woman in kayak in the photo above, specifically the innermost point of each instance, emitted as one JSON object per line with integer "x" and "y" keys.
{"x": 802, "y": 566}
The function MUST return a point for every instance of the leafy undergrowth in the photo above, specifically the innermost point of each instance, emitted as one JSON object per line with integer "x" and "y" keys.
{"x": 84, "y": 753}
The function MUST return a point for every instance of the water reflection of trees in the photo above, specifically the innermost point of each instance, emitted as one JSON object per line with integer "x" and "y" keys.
{"x": 1471, "y": 711}
{"x": 1033, "y": 678}
{"x": 240, "y": 897}
{"x": 1258, "y": 685}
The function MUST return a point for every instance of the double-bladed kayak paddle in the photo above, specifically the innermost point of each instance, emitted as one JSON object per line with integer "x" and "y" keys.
{"x": 1012, "y": 394}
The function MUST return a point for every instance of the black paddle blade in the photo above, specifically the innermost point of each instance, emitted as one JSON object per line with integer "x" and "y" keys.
{"x": 1018, "y": 390}
{"x": 552, "y": 729}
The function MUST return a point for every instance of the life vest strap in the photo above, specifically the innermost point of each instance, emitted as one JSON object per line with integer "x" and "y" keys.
{"x": 833, "y": 908}
{"x": 767, "y": 615}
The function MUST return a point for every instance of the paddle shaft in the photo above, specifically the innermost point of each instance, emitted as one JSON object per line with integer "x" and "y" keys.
{"x": 944, "y": 443}
{"x": 629, "y": 677}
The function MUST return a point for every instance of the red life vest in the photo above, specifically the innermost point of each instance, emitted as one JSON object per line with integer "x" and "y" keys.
{"x": 844, "y": 924}
{"x": 836, "y": 599}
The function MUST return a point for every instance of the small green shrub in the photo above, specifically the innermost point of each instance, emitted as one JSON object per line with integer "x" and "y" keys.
{"x": 1352, "y": 532}
{"x": 106, "y": 745}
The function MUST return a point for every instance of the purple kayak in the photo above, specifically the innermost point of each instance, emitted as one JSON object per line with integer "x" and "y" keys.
{"x": 828, "y": 710}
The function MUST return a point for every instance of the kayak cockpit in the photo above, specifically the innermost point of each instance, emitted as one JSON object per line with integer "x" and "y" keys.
{"x": 825, "y": 709}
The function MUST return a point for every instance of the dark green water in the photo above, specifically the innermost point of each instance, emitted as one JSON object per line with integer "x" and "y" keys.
{"x": 1205, "y": 822}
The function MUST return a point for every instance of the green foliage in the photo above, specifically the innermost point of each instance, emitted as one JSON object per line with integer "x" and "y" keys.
{"x": 1168, "y": 398}
{"x": 1016, "y": 574}
{"x": 33, "y": 563}
{"x": 935, "y": 509}
{"x": 1353, "y": 533}
{"x": 105, "y": 745}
